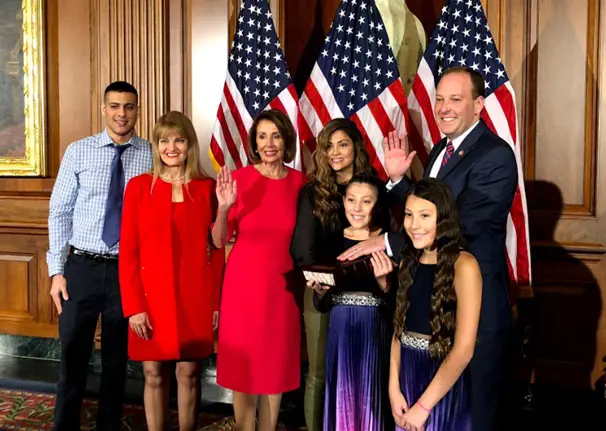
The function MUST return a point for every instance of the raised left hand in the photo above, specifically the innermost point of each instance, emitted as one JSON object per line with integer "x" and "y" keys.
{"x": 226, "y": 190}
{"x": 415, "y": 418}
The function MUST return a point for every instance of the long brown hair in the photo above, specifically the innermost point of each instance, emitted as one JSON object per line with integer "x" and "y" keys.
{"x": 449, "y": 242}
{"x": 175, "y": 123}
{"x": 323, "y": 179}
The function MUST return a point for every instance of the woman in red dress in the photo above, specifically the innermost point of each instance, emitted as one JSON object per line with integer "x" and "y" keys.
{"x": 169, "y": 274}
{"x": 258, "y": 355}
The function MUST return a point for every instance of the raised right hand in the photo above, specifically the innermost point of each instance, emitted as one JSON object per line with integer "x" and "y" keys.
{"x": 227, "y": 189}
{"x": 397, "y": 158}
{"x": 58, "y": 291}
{"x": 140, "y": 325}
{"x": 399, "y": 406}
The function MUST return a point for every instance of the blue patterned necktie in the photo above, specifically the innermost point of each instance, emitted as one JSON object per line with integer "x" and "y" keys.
{"x": 113, "y": 208}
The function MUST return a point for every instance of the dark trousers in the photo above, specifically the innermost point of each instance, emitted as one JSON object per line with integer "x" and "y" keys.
{"x": 93, "y": 290}
{"x": 491, "y": 371}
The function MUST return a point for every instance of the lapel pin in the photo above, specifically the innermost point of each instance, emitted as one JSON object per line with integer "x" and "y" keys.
{"x": 461, "y": 153}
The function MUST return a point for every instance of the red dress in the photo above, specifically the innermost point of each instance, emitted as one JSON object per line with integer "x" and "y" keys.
{"x": 165, "y": 268}
{"x": 259, "y": 333}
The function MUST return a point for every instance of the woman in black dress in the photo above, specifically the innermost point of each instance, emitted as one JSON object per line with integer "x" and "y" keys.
{"x": 318, "y": 238}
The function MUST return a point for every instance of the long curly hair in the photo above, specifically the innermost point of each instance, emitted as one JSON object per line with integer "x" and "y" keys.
{"x": 449, "y": 243}
{"x": 323, "y": 179}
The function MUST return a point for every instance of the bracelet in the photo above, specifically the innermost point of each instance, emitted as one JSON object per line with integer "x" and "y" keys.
{"x": 423, "y": 407}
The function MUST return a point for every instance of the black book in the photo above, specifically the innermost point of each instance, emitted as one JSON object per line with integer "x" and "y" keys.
{"x": 339, "y": 274}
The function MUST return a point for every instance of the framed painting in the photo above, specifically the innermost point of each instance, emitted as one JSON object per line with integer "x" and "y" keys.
{"x": 22, "y": 83}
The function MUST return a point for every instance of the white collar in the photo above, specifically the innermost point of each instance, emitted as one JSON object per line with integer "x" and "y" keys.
{"x": 457, "y": 141}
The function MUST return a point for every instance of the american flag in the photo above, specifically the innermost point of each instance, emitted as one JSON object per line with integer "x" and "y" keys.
{"x": 462, "y": 38}
{"x": 257, "y": 79}
{"x": 356, "y": 77}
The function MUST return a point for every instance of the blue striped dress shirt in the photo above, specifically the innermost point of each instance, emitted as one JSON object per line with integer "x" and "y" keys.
{"x": 77, "y": 204}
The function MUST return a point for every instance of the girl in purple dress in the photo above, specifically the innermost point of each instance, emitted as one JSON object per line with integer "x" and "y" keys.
{"x": 436, "y": 317}
{"x": 360, "y": 322}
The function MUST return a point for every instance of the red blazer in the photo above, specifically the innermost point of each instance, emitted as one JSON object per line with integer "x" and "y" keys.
{"x": 182, "y": 326}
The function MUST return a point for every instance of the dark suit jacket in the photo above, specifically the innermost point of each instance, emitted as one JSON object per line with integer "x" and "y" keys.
{"x": 483, "y": 176}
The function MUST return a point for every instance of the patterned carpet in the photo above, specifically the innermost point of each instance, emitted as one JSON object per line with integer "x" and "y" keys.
{"x": 31, "y": 411}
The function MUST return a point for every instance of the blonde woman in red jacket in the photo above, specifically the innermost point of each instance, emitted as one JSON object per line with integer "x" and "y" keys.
{"x": 169, "y": 273}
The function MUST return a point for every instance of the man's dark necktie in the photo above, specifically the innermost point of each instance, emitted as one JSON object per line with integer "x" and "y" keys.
{"x": 113, "y": 208}
{"x": 447, "y": 154}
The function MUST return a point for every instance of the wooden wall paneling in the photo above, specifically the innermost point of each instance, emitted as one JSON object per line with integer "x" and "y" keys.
{"x": 25, "y": 304}
{"x": 17, "y": 271}
{"x": 74, "y": 75}
{"x": 570, "y": 325}
{"x": 24, "y": 212}
{"x": 564, "y": 134}
{"x": 599, "y": 160}
{"x": 567, "y": 41}
{"x": 24, "y": 201}
{"x": 278, "y": 10}
{"x": 590, "y": 149}
{"x": 52, "y": 89}
{"x": 129, "y": 43}
{"x": 177, "y": 56}
{"x": 551, "y": 51}
{"x": 99, "y": 46}
{"x": 39, "y": 186}
{"x": 509, "y": 23}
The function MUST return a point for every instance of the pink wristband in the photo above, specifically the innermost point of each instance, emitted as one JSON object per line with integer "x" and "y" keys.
{"x": 423, "y": 407}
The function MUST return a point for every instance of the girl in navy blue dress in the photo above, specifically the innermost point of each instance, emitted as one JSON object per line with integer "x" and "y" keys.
{"x": 436, "y": 317}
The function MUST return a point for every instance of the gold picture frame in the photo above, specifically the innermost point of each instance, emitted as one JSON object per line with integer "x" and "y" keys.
{"x": 27, "y": 158}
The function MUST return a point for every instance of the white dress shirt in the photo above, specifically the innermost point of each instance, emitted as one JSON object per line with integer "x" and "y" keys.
{"x": 456, "y": 143}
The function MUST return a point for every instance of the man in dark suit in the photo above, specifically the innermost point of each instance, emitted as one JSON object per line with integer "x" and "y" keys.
{"x": 481, "y": 170}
